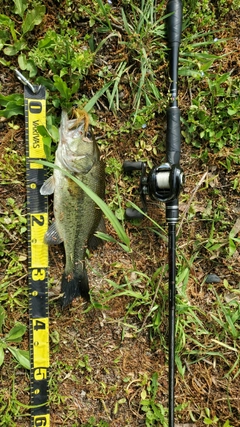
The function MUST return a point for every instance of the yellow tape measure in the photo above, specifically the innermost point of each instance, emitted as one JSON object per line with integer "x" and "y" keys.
{"x": 37, "y": 209}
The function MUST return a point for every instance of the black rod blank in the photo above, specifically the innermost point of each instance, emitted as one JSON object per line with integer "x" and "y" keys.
{"x": 173, "y": 147}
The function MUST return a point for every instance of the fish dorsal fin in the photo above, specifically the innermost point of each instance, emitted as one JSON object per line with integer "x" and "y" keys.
{"x": 52, "y": 236}
{"x": 48, "y": 186}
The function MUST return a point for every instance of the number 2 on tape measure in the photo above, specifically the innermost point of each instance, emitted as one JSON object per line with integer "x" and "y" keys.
{"x": 39, "y": 250}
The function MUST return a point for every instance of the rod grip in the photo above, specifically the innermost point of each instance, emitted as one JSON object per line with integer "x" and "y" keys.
{"x": 173, "y": 135}
{"x": 174, "y": 22}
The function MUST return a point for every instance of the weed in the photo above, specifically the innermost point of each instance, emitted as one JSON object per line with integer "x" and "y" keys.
{"x": 12, "y": 105}
{"x": 207, "y": 113}
{"x": 93, "y": 423}
{"x": 10, "y": 407}
{"x": 132, "y": 77}
{"x": 114, "y": 167}
{"x": 9, "y": 35}
{"x": 13, "y": 223}
{"x": 66, "y": 58}
{"x": 13, "y": 336}
{"x": 227, "y": 318}
{"x": 10, "y": 173}
{"x": 154, "y": 411}
{"x": 214, "y": 420}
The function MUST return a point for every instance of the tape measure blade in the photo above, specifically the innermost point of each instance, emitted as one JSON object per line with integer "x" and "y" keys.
{"x": 37, "y": 209}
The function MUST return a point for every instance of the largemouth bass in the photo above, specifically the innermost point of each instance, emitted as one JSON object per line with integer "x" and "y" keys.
{"x": 76, "y": 215}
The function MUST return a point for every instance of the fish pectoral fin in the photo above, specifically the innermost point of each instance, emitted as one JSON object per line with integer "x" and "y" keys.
{"x": 52, "y": 236}
{"x": 48, "y": 186}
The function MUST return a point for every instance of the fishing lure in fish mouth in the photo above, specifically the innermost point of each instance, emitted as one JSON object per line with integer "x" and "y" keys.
{"x": 80, "y": 115}
{"x": 76, "y": 215}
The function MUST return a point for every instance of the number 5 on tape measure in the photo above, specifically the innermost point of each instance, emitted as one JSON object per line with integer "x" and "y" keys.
{"x": 37, "y": 208}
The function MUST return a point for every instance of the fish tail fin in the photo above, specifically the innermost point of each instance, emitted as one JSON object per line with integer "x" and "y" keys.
{"x": 74, "y": 286}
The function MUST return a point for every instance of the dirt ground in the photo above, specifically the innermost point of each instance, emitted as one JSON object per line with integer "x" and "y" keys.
{"x": 101, "y": 365}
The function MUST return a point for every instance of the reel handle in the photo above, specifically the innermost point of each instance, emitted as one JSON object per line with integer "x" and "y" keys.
{"x": 129, "y": 167}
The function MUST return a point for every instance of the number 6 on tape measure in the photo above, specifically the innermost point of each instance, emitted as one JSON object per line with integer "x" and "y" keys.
{"x": 37, "y": 209}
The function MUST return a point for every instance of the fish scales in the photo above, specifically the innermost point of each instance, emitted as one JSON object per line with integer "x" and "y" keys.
{"x": 76, "y": 215}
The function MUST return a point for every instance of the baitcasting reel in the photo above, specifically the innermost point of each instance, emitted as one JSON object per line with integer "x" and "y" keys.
{"x": 163, "y": 183}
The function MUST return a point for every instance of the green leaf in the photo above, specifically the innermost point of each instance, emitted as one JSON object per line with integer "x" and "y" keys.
{"x": 20, "y": 7}
{"x": 22, "y": 61}
{"x": 232, "y": 247}
{"x": 4, "y": 36}
{"x": 2, "y": 317}
{"x": 61, "y": 86}
{"x": 33, "y": 17}
{"x": 190, "y": 73}
{"x": 6, "y": 21}
{"x": 96, "y": 97}
{"x": 232, "y": 111}
{"x": 207, "y": 421}
{"x": 1, "y": 354}
{"x": 54, "y": 132}
{"x": 45, "y": 82}
{"x": 12, "y": 109}
{"x": 22, "y": 356}
{"x": 15, "y": 48}
{"x": 16, "y": 333}
{"x": 15, "y": 97}
{"x": 47, "y": 140}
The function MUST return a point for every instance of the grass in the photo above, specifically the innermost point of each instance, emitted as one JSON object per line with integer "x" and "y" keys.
{"x": 113, "y": 61}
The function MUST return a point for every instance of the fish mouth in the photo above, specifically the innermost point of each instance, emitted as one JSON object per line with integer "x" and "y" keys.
{"x": 76, "y": 126}
{"x": 79, "y": 117}
{"x": 72, "y": 132}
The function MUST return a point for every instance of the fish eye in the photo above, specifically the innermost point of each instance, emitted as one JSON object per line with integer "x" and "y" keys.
{"x": 89, "y": 134}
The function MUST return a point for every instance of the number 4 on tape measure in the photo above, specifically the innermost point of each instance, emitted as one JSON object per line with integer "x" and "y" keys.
{"x": 37, "y": 209}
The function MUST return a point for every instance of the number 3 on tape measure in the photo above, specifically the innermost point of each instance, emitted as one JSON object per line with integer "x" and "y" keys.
{"x": 38, "y": 274}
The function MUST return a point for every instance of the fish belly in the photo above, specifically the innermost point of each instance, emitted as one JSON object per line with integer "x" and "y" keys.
{"x": 77, "y": 218}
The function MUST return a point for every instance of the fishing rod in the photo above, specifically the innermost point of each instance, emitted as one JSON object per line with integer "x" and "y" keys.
{"x": 164, "y": 182}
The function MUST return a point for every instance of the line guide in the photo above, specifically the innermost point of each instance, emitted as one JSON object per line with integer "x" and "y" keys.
{"x": 37, "y": 213}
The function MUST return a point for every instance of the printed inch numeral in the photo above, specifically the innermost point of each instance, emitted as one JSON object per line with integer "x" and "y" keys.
{"x": 38, "y": 274}
{"x": 41, "y": 421}
{"x": 36, "y": 117}
{"x": 40, "y": 374}
{"x": 39, "y": 324}
{"x": 40, "y": 341}
{"x": 39, "y": 250}
{"x": 38, "y": 220}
